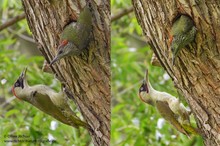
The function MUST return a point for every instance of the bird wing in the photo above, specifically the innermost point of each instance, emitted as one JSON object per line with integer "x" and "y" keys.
{"x": 61, "y": 101}
{"x": 169, "y": 115}
{"x": 44, "y": 103}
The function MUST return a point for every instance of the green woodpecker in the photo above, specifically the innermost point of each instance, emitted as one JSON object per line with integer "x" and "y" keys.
{"x": 75, "y": 36}
{"x": 168, "y": 106}
{"x": 183, "y": 32}
{"x": 47, "y": 100}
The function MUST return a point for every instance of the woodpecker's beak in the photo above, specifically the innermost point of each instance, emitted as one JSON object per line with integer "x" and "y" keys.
{"x": 146, "y": 76}
{"x": 23, "y": 74}
{"x": 21, "y": 79}
{"x": 59, "y": 53}
{"x": 54, "y": 60}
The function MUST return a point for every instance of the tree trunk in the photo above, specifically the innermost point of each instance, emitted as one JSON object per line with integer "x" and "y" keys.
{"x": 197, "y": 68}
{"x": 87, "y": 77}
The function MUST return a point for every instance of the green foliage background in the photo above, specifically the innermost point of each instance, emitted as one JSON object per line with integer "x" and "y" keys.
{"x": 133, "y": 122}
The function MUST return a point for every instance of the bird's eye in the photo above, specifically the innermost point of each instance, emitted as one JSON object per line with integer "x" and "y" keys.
{"x": 142, "y": 89}
{"x": 17, "y": 84}
{"x": 60, "y": 52}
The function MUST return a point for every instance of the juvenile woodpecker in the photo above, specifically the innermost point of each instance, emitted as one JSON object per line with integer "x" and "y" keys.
{"x": 47, "y": 100}
{"x": 168, "y": 106}
{"x": 75, "y": 36}
{"x": 183, "y": 32}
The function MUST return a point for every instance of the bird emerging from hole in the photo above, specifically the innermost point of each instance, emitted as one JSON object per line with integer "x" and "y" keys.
{"x": 75, "y": 36}
{"x": 183, "y": 32}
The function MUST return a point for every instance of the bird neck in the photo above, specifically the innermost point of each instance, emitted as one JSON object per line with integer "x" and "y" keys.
{"x": 22, "y": 93}
{"x": 148, "y": 95}
{"x": 157, "y": 95}
{"x": 152, "y": 92}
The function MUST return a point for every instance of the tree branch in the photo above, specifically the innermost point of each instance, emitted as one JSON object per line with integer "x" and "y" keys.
{"x": 22, "y": 36}
{"x": 122, "y": 13}
{"x": 22, "y": 16}
{"x": 12, "y": 21}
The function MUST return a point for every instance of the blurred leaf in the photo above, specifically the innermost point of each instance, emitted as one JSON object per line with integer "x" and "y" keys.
{"x": 11, "y": 113}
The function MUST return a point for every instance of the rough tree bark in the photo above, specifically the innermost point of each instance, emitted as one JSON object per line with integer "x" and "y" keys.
{"x": 197, "y": 69}
{"x": 86, "y": 78}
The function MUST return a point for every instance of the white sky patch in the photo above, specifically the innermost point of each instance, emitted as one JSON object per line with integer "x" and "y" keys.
{"x": 173, "y": 136}
{"x": 160, "y": 123}
{"x": 27, "y": 127}
{"x": 3, "y": 81}
{"x": 152, "y": 118}
{"x": 53, "y": 125}
{"x": 158, "y": 135}
{"x": 167, "y": 142}
{"x": 132, "y": 49}
{"x": 166, "y": 76}
{"x": 136, "y": 121}
{"x": 50, "y": 137}
{"x": 114, "y": 64}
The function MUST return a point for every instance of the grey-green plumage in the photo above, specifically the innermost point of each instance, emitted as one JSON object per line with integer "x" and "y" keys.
{"x": 75, "y": 36}
{"x": 79, "y": 32}
{"x": 170, "y": 108}
{"x": 169, "y": 115}
{"x": 183, "y": 32}
{"x": 47, "y": 100}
